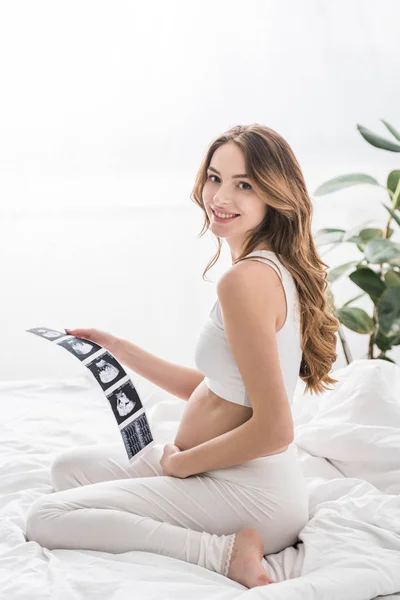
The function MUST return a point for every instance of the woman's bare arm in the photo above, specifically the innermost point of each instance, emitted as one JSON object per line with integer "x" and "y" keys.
{"x": 175, "y": 379}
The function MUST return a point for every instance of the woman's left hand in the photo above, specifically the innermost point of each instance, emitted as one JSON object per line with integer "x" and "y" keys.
{"x": 167, "y": 460}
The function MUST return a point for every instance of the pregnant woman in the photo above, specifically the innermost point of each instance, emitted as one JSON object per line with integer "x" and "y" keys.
{"x": 229, "y": 490}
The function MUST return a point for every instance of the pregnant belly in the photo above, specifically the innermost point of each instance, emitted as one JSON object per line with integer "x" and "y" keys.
{"x": 207, "y": 416}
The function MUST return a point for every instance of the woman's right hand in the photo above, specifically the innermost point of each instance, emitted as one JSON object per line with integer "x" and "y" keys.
{"x": 104, "y": 339}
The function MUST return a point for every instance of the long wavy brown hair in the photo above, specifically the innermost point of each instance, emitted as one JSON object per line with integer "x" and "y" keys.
{"x": 286, "y": 228}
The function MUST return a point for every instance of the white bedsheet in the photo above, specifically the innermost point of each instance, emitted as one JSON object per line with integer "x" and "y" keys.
{"x": 348, "y": 442}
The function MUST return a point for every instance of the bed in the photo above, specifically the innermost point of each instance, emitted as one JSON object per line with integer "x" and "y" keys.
{"x": 348, "y": 442}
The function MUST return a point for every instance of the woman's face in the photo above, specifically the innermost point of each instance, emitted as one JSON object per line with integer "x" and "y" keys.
{"x": 227, "y": 193}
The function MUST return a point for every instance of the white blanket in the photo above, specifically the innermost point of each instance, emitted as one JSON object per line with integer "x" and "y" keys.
{"x": 351, "y": 546}
{"x": 348, "y": 442}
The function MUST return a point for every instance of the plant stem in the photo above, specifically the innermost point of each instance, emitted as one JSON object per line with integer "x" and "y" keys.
{"x": 345, "y": 346}
{"x": 372, "y": 336}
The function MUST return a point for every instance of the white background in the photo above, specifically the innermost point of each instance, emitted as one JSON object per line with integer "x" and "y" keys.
{"x": 107, "y": 109}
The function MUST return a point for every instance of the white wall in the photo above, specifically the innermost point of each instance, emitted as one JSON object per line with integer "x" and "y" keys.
{"x": 106, "y": 110}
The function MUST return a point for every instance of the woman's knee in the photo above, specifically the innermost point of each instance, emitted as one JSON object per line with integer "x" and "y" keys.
{"x": 89, "y": 464}
{"x": 283, "y": 530}
{"x": 35, "y": 519}
{"x": 63, "y": 470}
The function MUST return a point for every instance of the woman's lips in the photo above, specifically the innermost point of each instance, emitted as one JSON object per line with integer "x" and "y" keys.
{"x": 221, "y": 220}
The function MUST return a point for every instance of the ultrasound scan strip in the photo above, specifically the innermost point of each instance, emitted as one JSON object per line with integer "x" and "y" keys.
{"x": 116, "y": 385}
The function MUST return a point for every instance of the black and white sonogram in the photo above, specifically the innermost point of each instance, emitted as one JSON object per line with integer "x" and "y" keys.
{"x": 79, "y": 347}
{"x": 124, "y": 401}
{"x": 46, "y": 332}
{"x": 118, "y": 388}
{"x": 106, "y": 369}
{"x": 137, "y": 436}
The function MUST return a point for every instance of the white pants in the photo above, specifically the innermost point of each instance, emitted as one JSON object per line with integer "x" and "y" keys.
{"x": 104, "y": 503}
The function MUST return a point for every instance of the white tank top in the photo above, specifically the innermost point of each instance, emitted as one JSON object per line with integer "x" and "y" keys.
{"x": 213, "y": 356}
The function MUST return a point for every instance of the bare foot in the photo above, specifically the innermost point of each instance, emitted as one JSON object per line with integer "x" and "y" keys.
{"x": 245, "y": 566}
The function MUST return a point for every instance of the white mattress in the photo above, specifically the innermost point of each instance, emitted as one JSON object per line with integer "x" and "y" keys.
{"x": 348, "y": 442}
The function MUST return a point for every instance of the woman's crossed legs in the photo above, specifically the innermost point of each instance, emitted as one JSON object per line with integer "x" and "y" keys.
{"x": 104, "y": 503}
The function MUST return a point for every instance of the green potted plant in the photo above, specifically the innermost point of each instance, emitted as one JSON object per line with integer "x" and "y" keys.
{"x": 377, "y": 271}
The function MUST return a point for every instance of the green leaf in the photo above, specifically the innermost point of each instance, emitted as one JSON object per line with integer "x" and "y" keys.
{"x": 328, "y": 236}
{"x": 387, "y": 358}
{"x": 394, "y": 215}
{"x": 336, "y": 272}
{"x": 353, "y": 299}
{"x": 344, "y": 181}
{"x": 392, "y": 278}
{"x": 364, "y": 236}
{"x": 381, "y": 251}
{"x": 377, "y": 140}
{"x": 370, "y": 233}
{"x": 353, "y": 232}
{"x": 330, "y": 300}
{"x": 393, "y": 185}
{"x": 393, "y": 180}
{"x": 391, "y": 129}
{"x": 355, "y": 319}
{"x": 382, "y": 340}
{"x": 390, "y": 232}
{"x": 369, "y": 281}
{"x": 388, "y": 311}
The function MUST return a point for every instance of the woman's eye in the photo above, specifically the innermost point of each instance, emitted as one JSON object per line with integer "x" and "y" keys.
{"x": 211, "y": 176}
{"x": 245, "y": 182}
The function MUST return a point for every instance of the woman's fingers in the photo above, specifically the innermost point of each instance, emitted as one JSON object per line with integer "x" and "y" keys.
{"x": 102, "y": 338}
{"x": 86, "y": 333}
